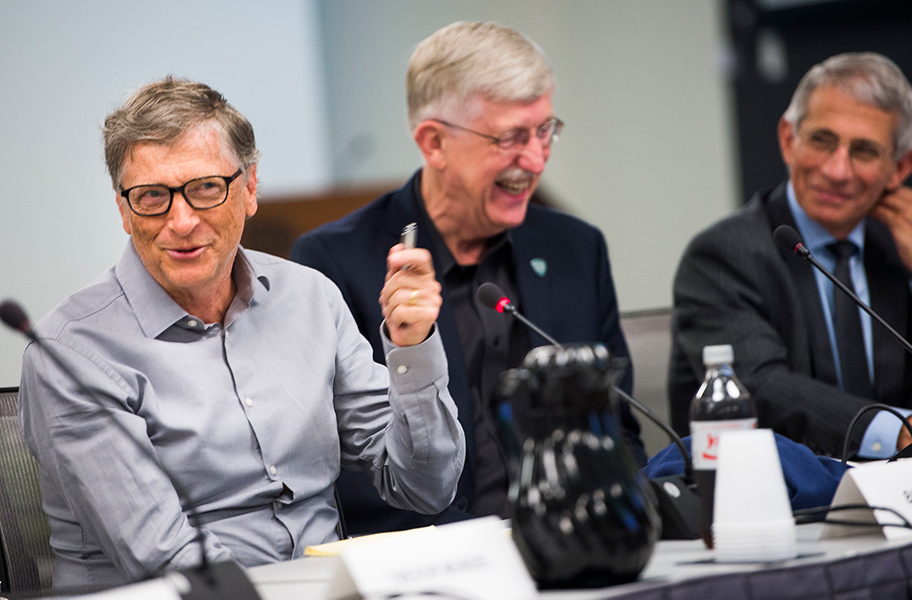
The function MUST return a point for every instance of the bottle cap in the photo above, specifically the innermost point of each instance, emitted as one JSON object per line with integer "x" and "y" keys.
{"x": 718, "y": 355}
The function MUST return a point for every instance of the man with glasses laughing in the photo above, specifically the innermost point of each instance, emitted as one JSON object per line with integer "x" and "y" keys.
{"x": 480, "y": 111}
{"x": 241, "y": 374}
{"x": 810, "y": 357}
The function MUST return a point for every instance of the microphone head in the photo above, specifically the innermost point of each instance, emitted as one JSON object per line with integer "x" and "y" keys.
{"x": 493, "y": 297}
{"x": 788, "y": 238}
{"x": 14, "y": 316}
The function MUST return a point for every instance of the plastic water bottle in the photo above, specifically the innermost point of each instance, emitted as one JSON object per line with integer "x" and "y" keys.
{"x": 721, "y": 404}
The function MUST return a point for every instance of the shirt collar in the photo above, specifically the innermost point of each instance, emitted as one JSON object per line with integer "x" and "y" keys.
{"x": 815, "y": 237}
{"x": 247, "y": 275}
{"x": 156, "y": 311}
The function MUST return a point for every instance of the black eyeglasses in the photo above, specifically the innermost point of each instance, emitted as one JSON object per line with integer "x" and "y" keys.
{"x": 516, "y": 139}
{"x": 202, "y": 194}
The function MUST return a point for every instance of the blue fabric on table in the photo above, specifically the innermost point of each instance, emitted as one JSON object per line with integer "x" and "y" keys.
{"x": 811, "y": 479}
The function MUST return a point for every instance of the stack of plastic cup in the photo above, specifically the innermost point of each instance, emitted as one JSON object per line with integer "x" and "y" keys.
{"x": 752, "y": 516}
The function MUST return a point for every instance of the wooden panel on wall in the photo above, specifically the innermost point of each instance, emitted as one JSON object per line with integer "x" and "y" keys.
{"x": 279, "y": 221}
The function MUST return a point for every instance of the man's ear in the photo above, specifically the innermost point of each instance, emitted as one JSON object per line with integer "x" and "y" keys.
{"x": 786, "y": 134}
{"x": 430, "y": 137}
{"x": 903, "y": 168}
{"x": 124, "y": 212}
{"x": 250, "y": 204}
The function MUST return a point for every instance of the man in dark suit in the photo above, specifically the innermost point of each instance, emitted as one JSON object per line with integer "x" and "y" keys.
{"x": 480, "y": 111}
{"x": 810, "y": 361}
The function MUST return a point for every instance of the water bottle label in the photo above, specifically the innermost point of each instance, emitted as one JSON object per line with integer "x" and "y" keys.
{"x": 704, "y": 439}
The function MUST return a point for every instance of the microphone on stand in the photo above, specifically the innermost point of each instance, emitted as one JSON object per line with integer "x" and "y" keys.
{"x": 14, "y": 317}
{"x": 493, "y": 297}
{"x": 204, "y": 582}
{"x": 679, "y": 502}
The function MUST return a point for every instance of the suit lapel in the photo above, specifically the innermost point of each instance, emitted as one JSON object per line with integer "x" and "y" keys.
{"x": 889, "y": 289}
{"x": 802, "y": 275}
{"x": 534, "y": 281}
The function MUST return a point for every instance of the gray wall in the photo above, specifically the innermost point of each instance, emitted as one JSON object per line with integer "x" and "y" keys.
{"x": 65, "y": 65}
{"x": 646, "y": 154}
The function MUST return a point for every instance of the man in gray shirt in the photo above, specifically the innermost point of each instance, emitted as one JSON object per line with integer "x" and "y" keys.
{"x": 244, "y": 374}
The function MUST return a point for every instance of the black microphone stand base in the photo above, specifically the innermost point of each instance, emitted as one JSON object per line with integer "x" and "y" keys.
{"x": 679, "y": 506}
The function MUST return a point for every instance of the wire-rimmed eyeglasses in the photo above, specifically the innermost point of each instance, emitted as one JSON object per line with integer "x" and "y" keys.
{"x": 861, "y": 152}
{"x": 516, "y": 139}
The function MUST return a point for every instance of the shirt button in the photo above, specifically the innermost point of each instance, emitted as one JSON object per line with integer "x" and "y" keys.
{"x": 273, "y": 470}
{"x": 192, "y": 323}
{"x": 876, "y": 447}
{"x": 248, "y": 402}
{"x": 401, "y": 369}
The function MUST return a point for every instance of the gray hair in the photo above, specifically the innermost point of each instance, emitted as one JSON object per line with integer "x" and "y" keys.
{"x": 161, "y": 111}
{"x": 464, "y": 59}
{"x": 868, "y": 77}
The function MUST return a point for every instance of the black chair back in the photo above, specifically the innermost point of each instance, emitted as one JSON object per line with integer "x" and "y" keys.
{"x": 27, "y": 561}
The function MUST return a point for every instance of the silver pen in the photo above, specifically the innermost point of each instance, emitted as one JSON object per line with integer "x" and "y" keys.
{"x": 407, "y": 238}
{"x": 409, "y": 235}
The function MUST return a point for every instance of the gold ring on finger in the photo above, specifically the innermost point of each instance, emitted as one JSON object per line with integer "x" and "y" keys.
{"x": 412, "y": 297}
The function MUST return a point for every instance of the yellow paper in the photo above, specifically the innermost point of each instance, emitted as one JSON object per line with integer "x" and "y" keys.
{"x": 334, "y": 548}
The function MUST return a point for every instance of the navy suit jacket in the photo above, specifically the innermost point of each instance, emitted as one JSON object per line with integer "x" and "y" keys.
{"x": 736, "y": 285}
{"x": 573, "y": 300}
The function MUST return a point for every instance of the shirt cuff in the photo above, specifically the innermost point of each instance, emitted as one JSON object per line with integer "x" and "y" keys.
{"x": 880, "y": 437}
{"x": 413, "y": 368}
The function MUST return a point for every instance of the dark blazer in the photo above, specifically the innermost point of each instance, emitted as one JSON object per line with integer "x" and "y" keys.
{"x": 573, "y": 300}
{"x": 736, "y": 286}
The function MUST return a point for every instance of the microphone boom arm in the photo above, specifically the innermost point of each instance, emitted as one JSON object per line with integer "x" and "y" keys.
{"x": 675, "y": 438}
{"x": 516, "y": 314}
{"x": 902, "y": 341}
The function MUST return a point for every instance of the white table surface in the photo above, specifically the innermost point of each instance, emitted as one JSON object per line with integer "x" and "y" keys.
{"x": 671, "y": 561}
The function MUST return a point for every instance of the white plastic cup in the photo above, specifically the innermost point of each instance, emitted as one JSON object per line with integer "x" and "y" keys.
{"x": 752, "y": 515}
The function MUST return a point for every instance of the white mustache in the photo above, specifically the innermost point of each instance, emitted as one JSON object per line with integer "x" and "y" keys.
{"x": 515, "y": 175}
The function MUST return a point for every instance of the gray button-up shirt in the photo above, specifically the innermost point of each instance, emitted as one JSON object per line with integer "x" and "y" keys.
{"x": 253, "y": 418}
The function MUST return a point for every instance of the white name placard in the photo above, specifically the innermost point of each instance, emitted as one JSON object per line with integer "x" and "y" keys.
{"x": 472, "y": 559}
{"x": 882, "y": 484}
